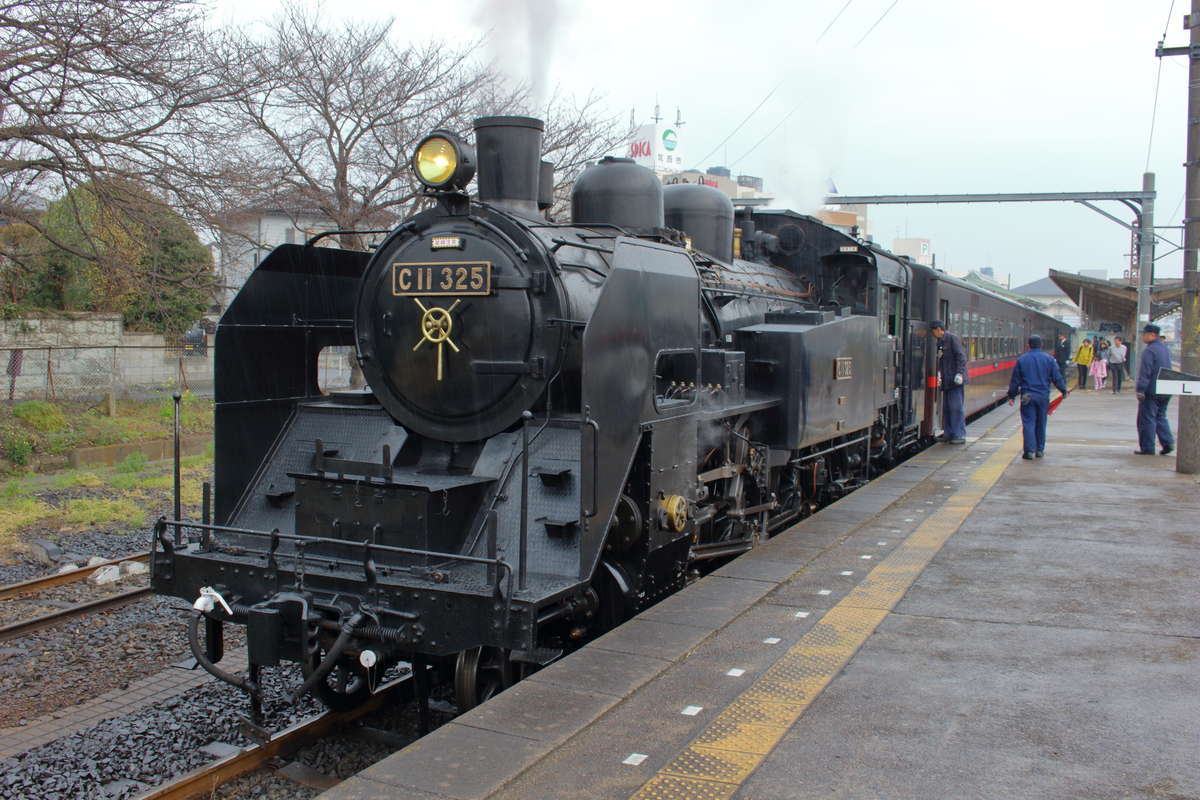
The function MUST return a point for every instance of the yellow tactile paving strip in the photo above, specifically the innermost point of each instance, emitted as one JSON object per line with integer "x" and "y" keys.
{"x": 729, "y": 748}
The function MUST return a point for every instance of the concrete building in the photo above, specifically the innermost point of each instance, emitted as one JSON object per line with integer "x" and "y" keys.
{"x": 250, "y": 234}
{"x": 741, "y": 187}
{"x": 847, "y": 218}
{"x": 918, "y": 249}
{"x": 660, "y": 146}
{"x": 657, "y": 146}
{"x": 845, "y": 221}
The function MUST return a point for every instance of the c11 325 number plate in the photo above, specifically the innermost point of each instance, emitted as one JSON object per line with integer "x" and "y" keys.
{"x": 442, "y": 278}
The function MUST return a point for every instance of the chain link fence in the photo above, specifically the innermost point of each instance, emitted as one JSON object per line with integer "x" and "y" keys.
{"x": 91, "y": 373}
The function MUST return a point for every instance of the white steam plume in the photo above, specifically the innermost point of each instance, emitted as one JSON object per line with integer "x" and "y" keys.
{"x": 520, "y": 41}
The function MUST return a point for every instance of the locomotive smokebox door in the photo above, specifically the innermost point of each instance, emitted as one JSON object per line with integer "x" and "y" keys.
{"x": 454, "y": 340}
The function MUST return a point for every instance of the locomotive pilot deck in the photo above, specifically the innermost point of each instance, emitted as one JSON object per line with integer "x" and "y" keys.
{"x": 953, "y": 629}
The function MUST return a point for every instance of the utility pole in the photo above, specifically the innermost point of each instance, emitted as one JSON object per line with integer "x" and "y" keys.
{"x": 1188, "y": 442}
{"x": 1188, "y": 460}
{"x": 1145, "y": 256}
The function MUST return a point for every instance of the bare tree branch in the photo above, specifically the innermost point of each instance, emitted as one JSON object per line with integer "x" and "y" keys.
{"x": 329, "y": 114}
{"x": 98, "y": 92}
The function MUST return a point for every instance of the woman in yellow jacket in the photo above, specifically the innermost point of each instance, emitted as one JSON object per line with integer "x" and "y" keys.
{"x": 1083, "y": 359}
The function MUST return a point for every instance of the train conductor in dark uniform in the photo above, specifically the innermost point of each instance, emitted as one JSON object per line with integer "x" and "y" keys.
{"x": 1062, "y": 352}
{"x": 1031, "y": 378}
{"x": 952, "y": 367}
{"x": 1152, "y": 408}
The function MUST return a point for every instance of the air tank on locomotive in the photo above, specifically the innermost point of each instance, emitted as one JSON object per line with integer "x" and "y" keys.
{"x": 703, "y": 213}
{"x": 618, "y": 192}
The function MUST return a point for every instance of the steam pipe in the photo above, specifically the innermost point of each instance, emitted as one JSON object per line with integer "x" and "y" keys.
{"x": 193, "y": 637}
{"x": 523, "y": 550}
{"x": 327, "y": 664}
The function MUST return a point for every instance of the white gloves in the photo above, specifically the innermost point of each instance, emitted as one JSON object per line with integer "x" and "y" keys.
{"x": 958, "y": 380}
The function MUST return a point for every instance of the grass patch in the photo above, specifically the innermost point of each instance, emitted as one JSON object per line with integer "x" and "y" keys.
{"x": 165, "y": 481}
{"x": 134, "y": 462}
{"x": 44, "y": 416}
{"x": 204, "y": 459}
{"x": 191, "y": 408}
{"x": 90, "y": 511}
{"x": 16, "y": 487}
{"x": 38, "y": 427}
{"x": 17, "y": 447}
{"x": 76, "y": 477}
{"x": 21, "y": 512}
{"x": 123, "y": 482}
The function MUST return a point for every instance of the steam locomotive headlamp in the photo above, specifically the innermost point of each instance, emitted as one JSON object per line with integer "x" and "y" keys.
{"x": 443, "y": 161}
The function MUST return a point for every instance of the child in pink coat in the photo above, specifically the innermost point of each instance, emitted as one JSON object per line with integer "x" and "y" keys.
{"x": 1099, "y": 371}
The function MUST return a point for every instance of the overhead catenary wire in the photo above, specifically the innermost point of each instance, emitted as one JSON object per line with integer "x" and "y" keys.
{"x": 770, "y": 133}
{"x": 1157, "y": 82}
{"x": 886, "y": 11}
{"x": 796, "y": 108}
{"x": 836, "y": 17}
{"x": 745, "y": 119}
{"x": 769, "y": 94}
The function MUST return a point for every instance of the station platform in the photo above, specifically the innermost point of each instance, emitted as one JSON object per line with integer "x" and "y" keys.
{"x": 969, "y": 625}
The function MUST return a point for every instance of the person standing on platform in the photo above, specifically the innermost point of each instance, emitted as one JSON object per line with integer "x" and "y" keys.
{"x": 1152, "y": 407}
{"x": 952, "y": 367}
{"x": 1083, "y": 360}
{"x": 1116, "y": 363}
{"x": 1099, "y": 367}
{"x": 1031, "y": 378}
{"x": 1062, "y": 352}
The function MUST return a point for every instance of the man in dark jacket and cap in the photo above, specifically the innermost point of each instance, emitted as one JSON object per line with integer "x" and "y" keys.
{"x": 1031, "y": 378}
{"x": 952, "y": 367}
{"x": 1152, "y": 408}
{"x": 1062, "y": 352}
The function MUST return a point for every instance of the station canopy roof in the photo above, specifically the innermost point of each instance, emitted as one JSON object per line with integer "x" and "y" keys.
{"x": 1117, "y": 300}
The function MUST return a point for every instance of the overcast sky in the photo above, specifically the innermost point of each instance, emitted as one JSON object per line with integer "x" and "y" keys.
{"x": 943, "y": 96}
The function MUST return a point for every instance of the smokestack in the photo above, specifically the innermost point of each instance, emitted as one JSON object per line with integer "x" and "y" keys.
{"x": 508, "y": 155}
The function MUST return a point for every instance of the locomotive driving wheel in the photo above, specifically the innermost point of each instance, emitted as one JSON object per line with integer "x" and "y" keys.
{"x": 480, "y": 673}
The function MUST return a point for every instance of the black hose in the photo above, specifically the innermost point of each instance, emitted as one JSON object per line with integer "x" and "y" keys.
{"x": 331, "y": 658}
{"x": 193, "y": 636}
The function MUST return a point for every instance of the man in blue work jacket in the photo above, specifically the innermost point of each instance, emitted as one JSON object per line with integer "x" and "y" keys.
{"x": 1152, "y": 408}
{"x": 1031, "y": 378}
{"x": 952, "y": 366}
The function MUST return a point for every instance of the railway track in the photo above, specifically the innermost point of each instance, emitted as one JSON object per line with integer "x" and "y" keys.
{"x": 204, "y": 781}
{"x": 36, "y": 585}
{"x": 27, "y": 626}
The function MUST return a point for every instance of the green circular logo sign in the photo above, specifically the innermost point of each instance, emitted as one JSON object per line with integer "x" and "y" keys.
{"x": 670, "y": 141}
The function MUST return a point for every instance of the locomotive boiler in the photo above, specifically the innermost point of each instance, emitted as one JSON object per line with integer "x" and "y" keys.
{"x": 562, "y": 422}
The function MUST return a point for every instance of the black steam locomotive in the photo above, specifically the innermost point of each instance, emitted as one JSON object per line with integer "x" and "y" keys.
{"x": 563, "y": 423}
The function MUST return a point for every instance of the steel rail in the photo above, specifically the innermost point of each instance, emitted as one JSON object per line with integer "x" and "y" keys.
{"x": 28, "y": 626}
{"x": 49, "y": 581}
{"x": 204, "y": 781}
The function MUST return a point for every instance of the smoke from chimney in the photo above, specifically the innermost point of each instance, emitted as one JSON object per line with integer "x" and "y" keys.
{"x": 521, "y": 35}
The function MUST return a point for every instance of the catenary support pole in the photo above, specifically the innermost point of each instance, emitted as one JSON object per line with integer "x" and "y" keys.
{"x": 1145, "y": 239}
{"x": 1188, "y": 444}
